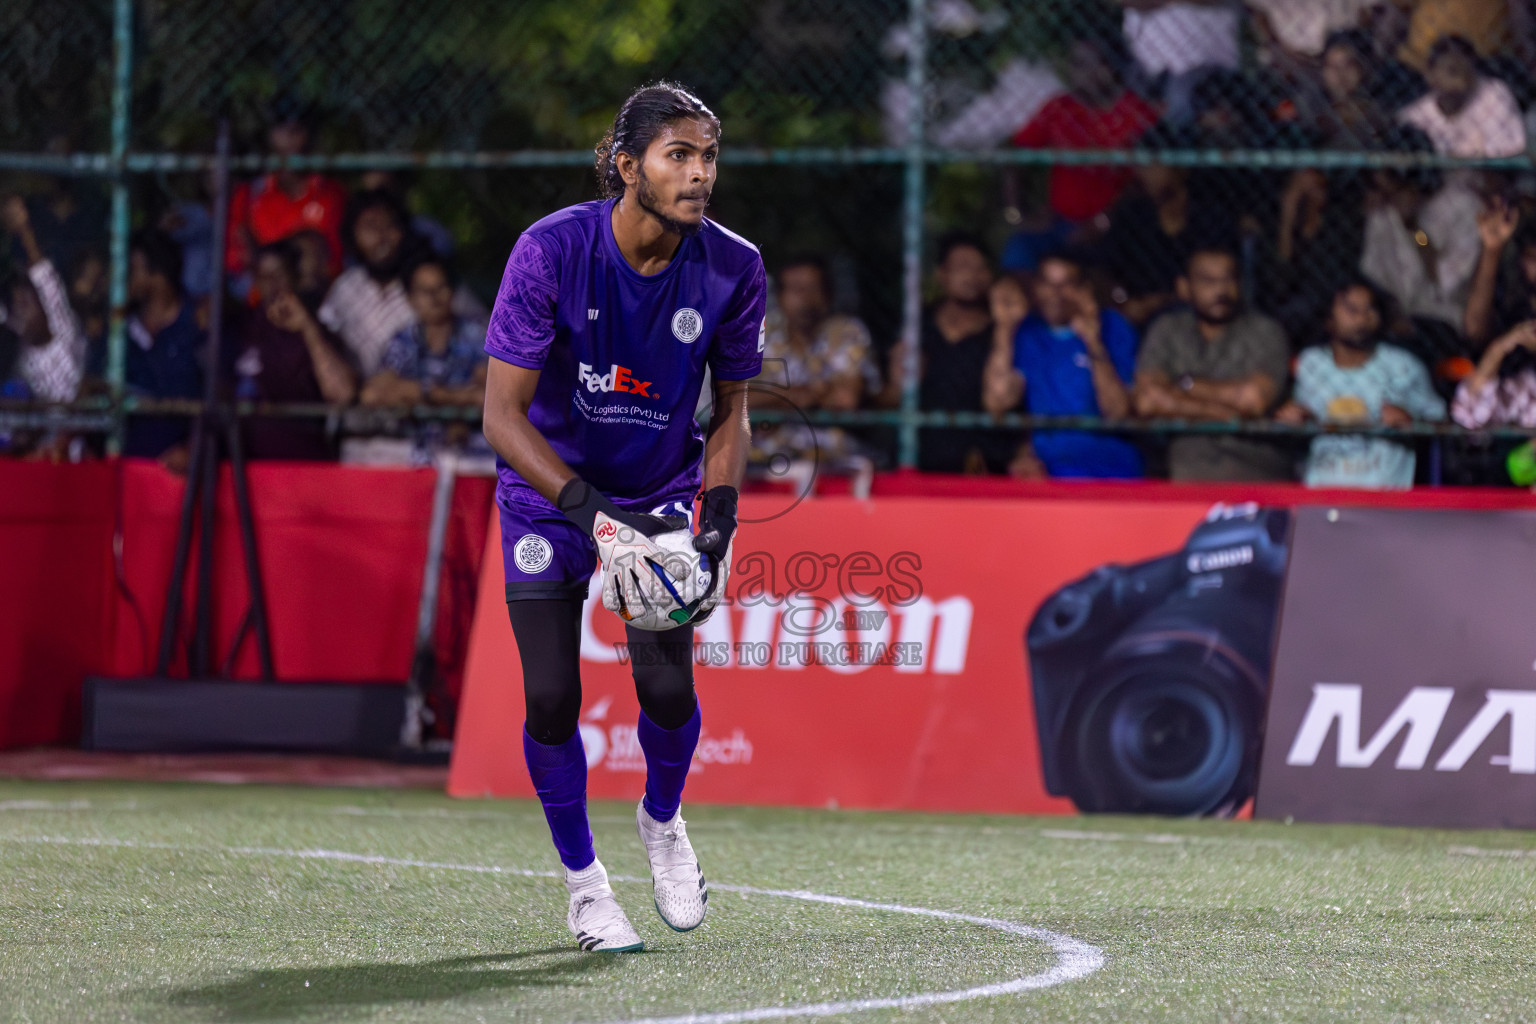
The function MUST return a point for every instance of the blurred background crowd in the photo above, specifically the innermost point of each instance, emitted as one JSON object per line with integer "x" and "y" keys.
{"x": 1381, "y": 273}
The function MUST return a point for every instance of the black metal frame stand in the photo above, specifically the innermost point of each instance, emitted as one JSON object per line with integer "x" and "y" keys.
{"x": 215, "y": 428}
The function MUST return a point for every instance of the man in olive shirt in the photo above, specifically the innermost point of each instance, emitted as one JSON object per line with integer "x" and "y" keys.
{"x": 1215, "y": 361}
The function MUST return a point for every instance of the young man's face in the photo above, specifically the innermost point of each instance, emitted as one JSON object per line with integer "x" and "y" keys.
{"x": 1054, "y": 286}
{"x": 1353, "y": 319}
{"x": 431, "y": 295}
{"x": 1342, "y": 74}
{"x": 378, "y": 237}
{"x": 964, "y": 275}
{"x": 288, "y": 138}
{"x": 1160, "y": 180}
{"x": 803, "y": 296}
{"x": 1451, "y": 78}
{"x": 674, "y": 180}
{"x": 271, "y": 277}
{"x": 1088, "y": 74}
{"x": 1210, "y": 286}
{"x": 314, "y": 262}
{"x": 139, "y": 277}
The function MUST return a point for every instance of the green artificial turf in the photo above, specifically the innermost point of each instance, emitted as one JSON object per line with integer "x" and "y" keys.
{"x": 174, "y": 903}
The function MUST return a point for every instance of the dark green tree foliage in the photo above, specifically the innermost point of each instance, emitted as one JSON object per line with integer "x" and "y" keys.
{"x": 55, "y": 75}
{"x": 488, "y": 74}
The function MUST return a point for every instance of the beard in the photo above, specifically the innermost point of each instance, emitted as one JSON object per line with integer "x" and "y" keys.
{"x": 645, "y": 195}
{"x": 1360, "y": 343}
{"x": 971, "y": 302}
{"x": 1219, "y": 315}
{"x": 387, "y": 271}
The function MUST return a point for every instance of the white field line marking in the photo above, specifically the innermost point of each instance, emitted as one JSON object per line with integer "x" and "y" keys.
{"x": 1482, "y": 851}
{"x": 1074, "y": 958}
{"x": 508, "y": 817}
{"x": 44, "y": 805}
{"x": 1114, "y": 837}
{"x": 345, "y": 811}
{"x": 1156, "y": 838}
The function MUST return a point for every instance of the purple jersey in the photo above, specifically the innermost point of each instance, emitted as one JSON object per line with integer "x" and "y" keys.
{"x": 622, "y": 355}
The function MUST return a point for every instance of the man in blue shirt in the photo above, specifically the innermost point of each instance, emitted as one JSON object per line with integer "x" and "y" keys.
{"x": 608, "y": 314}
{"x": 1064, "y": 357}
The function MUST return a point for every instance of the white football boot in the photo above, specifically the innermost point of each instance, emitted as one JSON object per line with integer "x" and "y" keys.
{"x": 595, "y": 917}
{"x": 677, "y": 882}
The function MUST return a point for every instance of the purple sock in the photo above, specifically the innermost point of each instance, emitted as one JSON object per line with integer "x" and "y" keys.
{"x": 559, "y": 776}
{"x": 668, "y": 753}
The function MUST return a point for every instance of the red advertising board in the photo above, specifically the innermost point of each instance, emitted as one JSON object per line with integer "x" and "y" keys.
{"x": 341, "y": 548}
{"x": 943, "y": 589}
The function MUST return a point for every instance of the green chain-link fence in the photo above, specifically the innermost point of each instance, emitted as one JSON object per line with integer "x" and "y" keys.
{"x": 1246, "y": 126}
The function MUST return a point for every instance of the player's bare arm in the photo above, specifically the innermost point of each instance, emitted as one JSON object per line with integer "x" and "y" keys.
{"x": 508, "y": 395}
{"x": 729, "y": 436}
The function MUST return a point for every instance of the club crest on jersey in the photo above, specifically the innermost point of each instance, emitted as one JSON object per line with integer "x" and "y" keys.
{"x": 533, "y": 553}
{"x": 618, "y": 378}
{"x": 687, "y": 325}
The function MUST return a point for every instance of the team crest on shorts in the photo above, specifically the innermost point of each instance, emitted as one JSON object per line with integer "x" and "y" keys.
{"x": 533, "y": 553}
{"x": 687, "y": 325}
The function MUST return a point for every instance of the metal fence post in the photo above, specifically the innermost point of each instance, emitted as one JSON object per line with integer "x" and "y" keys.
{"x": 117, "y": 287}
{"x": 912, "y": 225}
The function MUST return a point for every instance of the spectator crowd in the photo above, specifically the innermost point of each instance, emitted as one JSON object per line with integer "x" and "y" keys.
{"x": 333, "y": 296}
{"x": 1157, "y": 290}
{"x": 1211, "y": 294}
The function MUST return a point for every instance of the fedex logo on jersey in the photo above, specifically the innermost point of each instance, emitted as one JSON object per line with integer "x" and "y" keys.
{"x": 618, "y": 378}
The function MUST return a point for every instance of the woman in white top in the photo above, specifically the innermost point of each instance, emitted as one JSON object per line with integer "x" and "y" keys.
{"x": 1501, "y": 391}
{"x": 52, "y": 360}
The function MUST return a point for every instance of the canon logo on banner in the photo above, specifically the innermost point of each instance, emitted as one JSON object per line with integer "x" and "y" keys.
{"x": 922, "y": 635}
{"x": 1420, "y": 714}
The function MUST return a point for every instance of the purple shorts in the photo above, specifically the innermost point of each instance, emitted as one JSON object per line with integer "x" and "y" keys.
{"x": 545, "y": 555}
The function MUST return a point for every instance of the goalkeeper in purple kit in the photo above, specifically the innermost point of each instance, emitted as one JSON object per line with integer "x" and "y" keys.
{"x": 608, "y": 315}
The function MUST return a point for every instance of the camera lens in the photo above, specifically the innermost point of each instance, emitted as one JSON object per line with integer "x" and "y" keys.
{"x": 1168, "y": 725}
{"x": 1164, "y": 730}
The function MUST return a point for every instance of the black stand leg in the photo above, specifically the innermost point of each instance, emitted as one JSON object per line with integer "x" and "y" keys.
{"x": 173, "y": 596}
{"x": 202, "y": 631}
{"x": 258, "y": 613}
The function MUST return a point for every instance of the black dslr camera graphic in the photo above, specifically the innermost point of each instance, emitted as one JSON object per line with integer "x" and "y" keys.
{"x": 1150, "y": 679}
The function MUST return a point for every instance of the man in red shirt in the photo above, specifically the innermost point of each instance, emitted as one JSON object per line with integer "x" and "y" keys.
{"x": 283, "y": 203}
{"x": 1097, "y": 112}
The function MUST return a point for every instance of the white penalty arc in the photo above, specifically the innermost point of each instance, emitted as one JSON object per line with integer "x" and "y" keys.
{"x": 1074, "y": 957}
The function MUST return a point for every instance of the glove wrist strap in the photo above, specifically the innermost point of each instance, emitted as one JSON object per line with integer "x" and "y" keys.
{"x": 580, "y": 502}
{"x": 720, "y": 510}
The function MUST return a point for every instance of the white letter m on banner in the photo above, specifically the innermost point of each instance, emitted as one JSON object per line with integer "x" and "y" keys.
{"x": 1421, "y": 713}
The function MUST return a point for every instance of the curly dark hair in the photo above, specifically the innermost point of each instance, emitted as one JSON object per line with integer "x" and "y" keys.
{"x": 648, "y": 110}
